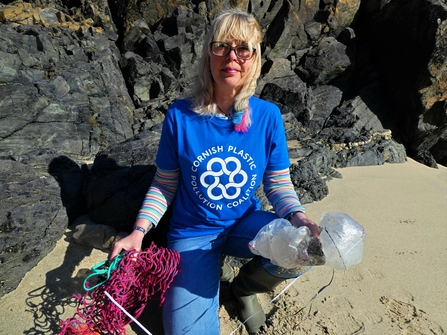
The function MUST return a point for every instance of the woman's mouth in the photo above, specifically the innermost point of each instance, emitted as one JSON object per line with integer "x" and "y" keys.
{"x": 230, "y": 70}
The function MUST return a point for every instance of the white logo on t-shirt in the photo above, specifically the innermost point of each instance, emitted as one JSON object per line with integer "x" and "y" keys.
{"x": 232, "y": 189}
{"x": 219, "y": 181}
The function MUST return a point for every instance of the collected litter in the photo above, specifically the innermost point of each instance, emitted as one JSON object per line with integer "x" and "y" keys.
{"x": 343, "y": 240}
{"x": 131, "y": 279}
{"x": 340, "y": 245}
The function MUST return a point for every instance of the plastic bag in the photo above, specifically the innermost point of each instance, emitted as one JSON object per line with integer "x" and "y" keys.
{"x": 340, "y": 245}
{"x": 342, "y": 239}
{"x": 287, "y": 246}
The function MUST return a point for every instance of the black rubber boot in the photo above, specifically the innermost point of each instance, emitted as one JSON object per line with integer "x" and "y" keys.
{"x": 252, "y": 279}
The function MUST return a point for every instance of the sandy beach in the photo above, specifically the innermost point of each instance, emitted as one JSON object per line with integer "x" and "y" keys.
{"x": 400, "y": 287}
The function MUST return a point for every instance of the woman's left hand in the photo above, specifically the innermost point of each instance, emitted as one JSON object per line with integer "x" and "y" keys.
{"x": 300, "y": 219}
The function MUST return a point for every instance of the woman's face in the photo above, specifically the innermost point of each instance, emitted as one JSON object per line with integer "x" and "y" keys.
{"x": 229, "y": 72}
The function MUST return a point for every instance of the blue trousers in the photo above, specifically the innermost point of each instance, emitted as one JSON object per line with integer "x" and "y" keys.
{"x": 192, "y": 301}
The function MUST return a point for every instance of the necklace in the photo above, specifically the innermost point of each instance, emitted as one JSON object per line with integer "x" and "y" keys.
{"x": 226, "y": 114}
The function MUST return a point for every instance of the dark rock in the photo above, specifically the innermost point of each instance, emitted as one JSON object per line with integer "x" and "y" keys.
{"x": 32, "y": 220}
{"x": 326, "y": 98}
{"x": 354, "y": 114}
{"x": 425, "y": 157}
{"x": 159, "y": 66}
{"x": 286, "y": 30}
{"x": 291, "y": 94}
{"x": 119, "y": 180}
{"x": 71, "y": 178}
{"x": 440, "y": 147}
{"x": 359, "y": 156}
{"x": 339, "y": 14}
{"x": 347, "y": 36}
{"x": 321, "y": 159}
{"x": 126, "y": 12}
{"x": 392, "y": 151}
{"x": 274, "y": 70}
{"x": 49, "y": 104}
{"x": 308, "y": 184}
{"x": 114, "y": 199}
{"x": 325, "y": 62}
{"x": 411, "y": 35}
{"x": 140, "y": 40}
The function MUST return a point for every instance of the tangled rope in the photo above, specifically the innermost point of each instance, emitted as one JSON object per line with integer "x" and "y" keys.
{"x": 138, "y": 276}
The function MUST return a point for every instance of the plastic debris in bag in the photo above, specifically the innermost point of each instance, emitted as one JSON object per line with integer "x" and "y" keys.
{"x": 343, "y": 240}
{"x": 339, "y": 246}
{"x": 287, "y": 246}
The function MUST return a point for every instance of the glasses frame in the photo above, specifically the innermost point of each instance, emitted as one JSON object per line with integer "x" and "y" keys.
{"x": 232, "y": 49}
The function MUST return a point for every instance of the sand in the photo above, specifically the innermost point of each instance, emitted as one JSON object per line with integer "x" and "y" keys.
{"x": 400, "y": 287}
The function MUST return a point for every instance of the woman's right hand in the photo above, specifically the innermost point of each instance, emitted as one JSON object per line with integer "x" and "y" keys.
{"x": 133, "y": 241}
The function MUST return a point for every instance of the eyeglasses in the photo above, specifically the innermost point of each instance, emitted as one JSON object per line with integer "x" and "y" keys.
{"x": 222, "y": 49}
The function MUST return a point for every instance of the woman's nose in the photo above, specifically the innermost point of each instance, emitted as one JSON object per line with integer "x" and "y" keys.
{"x": 232, "y": 54}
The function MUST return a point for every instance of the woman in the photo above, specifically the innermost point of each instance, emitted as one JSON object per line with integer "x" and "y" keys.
{"x": 216, "y": 148}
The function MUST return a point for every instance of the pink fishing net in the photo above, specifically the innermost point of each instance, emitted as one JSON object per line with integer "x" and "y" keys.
{"x": 139, "y": 276}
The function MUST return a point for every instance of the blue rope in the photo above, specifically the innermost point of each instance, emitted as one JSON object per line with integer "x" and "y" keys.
{"x": 103, "y": 270}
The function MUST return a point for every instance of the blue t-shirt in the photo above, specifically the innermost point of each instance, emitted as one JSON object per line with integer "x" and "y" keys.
{"x": 220, "y": 168}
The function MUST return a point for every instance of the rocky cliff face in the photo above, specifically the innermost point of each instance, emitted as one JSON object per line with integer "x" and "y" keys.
{"x": 82, "y": 82}
{"x": 409, "y": 43}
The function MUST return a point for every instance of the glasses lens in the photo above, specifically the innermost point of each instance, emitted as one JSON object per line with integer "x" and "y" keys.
{"x": 220, "y": 49}
{"x": 243, "y": 52}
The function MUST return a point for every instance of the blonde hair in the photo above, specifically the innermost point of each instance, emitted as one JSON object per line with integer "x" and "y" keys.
{"x": 230, "y": 25}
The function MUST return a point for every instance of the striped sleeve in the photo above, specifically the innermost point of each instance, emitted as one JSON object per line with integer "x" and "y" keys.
{"x": 160, "y": 195}
{"x": 280, "y": 192}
